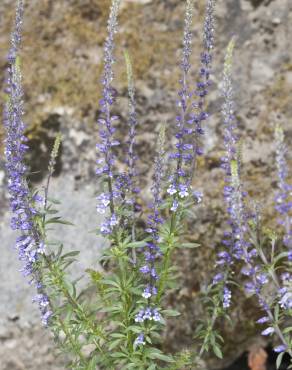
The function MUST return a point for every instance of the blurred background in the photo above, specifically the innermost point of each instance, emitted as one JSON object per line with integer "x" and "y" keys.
{"x": 62, "y": 62}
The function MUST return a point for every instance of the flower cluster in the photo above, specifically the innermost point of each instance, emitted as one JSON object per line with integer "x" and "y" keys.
{"x": 152, "y": 251}
{"x": 230, "y": 162}
{"x": 188, "y": 127}
{"x": 29, "y": 244}
{"x": 236, "y": 241}
{"x": 148, "y": 314}
{"x": 225, "y": 258}
{"x": 285, "y": 292}
{"x": 192, "y": 113}
{"x": 106, "y": 123}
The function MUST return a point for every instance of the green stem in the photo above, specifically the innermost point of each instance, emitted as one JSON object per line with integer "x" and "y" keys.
{"x": 167, "y": 258}
{"x": 73, "y": 302}
{"x": 74, "y": 343}
{"x": 126, "y": 301}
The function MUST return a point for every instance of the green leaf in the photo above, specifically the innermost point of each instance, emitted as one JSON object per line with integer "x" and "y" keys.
{"x": 131, "y": 366}
{"x": 118, "y": 335}
{"x": 118, "y": 355}
{"x": 287, "y": 330}
{"x": 134, "y": 328}
{"x": 116, "y": 308}
{"x": 114, "y": 344}
{"x": 280, "y": 256}
{"x": 96, "y": 276}
{"x": 140, "y": 244}
{"x": 189, "y": 245}
{"x": 111, "y": 282}
{"x": 217, "y": 351}
{"x": 70, "y": 254}
{"x": 58, "y": 220}
{"x": 171, "y": 313}
{"x": 92, "y": 364}
{"x": 279, "y": 359}
{"x": 54, "y": 201}
{"x": 160, "y": 356}
{"x": 51, "y": 212}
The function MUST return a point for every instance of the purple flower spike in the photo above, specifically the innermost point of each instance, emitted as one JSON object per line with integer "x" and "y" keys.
{"x": 191, "y": 104}
{"x": 29, "y": 243}
{"x": 106, "y": 123}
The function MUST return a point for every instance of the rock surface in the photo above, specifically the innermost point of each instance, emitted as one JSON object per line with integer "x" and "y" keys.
{"x": 62, "y": 57}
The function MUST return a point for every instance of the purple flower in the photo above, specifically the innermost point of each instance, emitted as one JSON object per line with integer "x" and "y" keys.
{"x": 268, "y": 331}
{"x": 147, "y": 314}
{"x": 113, "y": 220}
{"x": 140, "y": 316}
{"x": 149, "y": 291}
{"x": 198, "y": 195}
{"x": 103, "y": 202}
{"x": 174, "y": 206}
{"x": 145, "y": 269}
{"x": 217, "y": 278}
{"x": 286, "y": 298}
{"x": 280, "y": 348}
{"x": 46, "y": 318}
{"x": 42, "y": 300}
{"x": 172, "y": 190}
{"x": 183, "y": 191}
{"x": 262, "y": 278}
{"x": 263, "y": 320}
{"x": 286, "y": 277}
{"x": 139, "y": 340}
{"x": 105, "y": 228}
{"x": 226, "y": 297}
{"x": 156, "y": 315}
{"x": 153, "y": 273}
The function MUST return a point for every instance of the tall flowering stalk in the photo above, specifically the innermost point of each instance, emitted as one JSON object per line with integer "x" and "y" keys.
{"x": 152, "y": 251}
{"x": 225, "y": 258}
{"x": 188, "y": 127}
{"x": 29, "y": 244}
{"x": 192, "y": 112}
{"x": 200, "y": 114}
{"x": 219, "y": 291}
{"x": 106, "y": 121}
{"x": 241, "y": 243}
